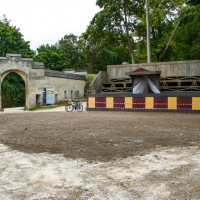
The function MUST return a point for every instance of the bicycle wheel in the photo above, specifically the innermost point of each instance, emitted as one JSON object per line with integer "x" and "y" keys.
{"x": 69, "y": 108}
{"x": 80, "y": 107}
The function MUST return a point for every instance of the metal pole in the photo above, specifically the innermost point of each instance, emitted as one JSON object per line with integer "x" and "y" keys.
{"x": 148, "y": 33}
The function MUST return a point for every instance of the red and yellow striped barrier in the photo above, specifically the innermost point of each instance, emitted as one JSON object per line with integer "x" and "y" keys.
{"x": 148, "y": 103}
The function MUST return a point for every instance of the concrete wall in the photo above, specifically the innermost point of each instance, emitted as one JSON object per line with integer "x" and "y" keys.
{"x": 178, "y": 68}
{"x": 64, "y": 88}
{"x": 36, "y": 78}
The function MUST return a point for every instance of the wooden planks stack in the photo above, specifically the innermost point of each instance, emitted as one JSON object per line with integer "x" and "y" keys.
{"x": 117, "y": 85}
{"x": 167, "y": 83}
{"x": 180, "y": 83}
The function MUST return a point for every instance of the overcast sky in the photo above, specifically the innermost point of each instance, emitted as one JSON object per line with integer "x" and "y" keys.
{"x": 47, "y": 21}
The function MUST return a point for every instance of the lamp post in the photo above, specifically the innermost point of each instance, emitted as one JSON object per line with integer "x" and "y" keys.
{"x": 148, "y": 33}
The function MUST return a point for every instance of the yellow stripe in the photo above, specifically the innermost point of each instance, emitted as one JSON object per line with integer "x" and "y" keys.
{"x": 195, "y": 103}
{"x": 128, "y": 102}
{"x": 149, "y": 102}
{"x": 172, "y": 102}
{"x": 109, "y": 102}
{"x": 91, "y": 102}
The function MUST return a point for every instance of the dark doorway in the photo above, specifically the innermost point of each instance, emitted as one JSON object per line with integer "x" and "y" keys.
{"x": 38, "y": 99}
{"x": 13, "y": 91}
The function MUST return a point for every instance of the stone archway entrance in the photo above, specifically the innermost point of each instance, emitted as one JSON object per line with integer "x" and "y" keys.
{"x": 13, "y": 90}
{"x": 23, "y": 75}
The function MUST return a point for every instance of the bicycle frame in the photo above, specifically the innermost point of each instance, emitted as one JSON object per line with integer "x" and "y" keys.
{"x": 74, "y": 106}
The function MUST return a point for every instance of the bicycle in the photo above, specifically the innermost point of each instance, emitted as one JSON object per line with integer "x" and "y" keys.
{"x": 78, "y": 106}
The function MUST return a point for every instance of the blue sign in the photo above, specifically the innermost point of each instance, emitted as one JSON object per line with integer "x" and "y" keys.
{"x": 50, "y": 96}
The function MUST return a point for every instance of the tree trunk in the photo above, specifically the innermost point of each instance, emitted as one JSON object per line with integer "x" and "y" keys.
{"x": 130, "y": 49}
{"x": 148, "y": 33}
{"x": 128, "y": 37}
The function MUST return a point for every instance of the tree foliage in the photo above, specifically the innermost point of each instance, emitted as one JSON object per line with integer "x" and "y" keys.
{"x": 51, "y": 56}
{"x": 186, "y": 43}
{"x": 68, "y": 53}
{"x": 163, "y": 18}
{"x": 120, "y": 17}
{"x": 102, "y": 51}
{"x": 118, "y": 34}
{"x": 71, "y": 48}
{"x": 12, "y": 41}
{"x": 193, "y": 2}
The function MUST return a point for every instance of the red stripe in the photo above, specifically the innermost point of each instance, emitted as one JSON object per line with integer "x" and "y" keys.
{"x": 100, "y": 102}
{"x": 139, "y": 102}
{"x": 119, "y": 102}
{"x": 184, "y": 103}
{"x": 160, "y": 102}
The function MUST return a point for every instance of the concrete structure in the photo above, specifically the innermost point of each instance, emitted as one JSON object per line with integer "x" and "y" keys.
{"x": 36, "y": 78}
{"x": 176, "y": 68}
{"x": 179, "y": 83}
{"x": 177, "y": 76}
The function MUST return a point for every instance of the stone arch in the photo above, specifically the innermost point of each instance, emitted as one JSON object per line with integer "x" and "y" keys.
{"x": 24, "y": 76}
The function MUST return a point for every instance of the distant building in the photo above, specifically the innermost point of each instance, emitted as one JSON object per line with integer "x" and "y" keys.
{"x": 39, "y": 81}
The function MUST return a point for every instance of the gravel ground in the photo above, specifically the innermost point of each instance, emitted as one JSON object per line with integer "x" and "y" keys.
{"x": 99, "y": 155}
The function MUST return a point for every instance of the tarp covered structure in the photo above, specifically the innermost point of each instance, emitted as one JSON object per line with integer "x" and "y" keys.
{"x": 145, "y": 81}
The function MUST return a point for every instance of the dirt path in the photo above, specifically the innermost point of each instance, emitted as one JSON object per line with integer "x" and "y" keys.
{"x": 99, "y": 155}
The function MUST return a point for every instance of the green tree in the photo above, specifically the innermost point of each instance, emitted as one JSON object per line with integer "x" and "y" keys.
{"x": 12, "y": 41}
{"x": 51, "y": 56}
{"x": 121, "y": 17}
{"x": 103, "y": 51}
{"x": 71, "y": 48}
{"x": 193, "y": 2}
{"x": 186, "y": 43}
{"x": 164, "y": 15}
{"x": 68, "y": 53}
{"x": 103, "y": 48}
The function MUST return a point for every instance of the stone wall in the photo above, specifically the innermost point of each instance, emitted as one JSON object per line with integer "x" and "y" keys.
{"x": 36, "y": 78}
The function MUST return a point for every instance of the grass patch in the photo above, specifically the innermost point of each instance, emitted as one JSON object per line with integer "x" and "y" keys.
{"x": 91, "y": 77}
{"x": 54, "y": 105}
{"x": 46, "y": 107}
